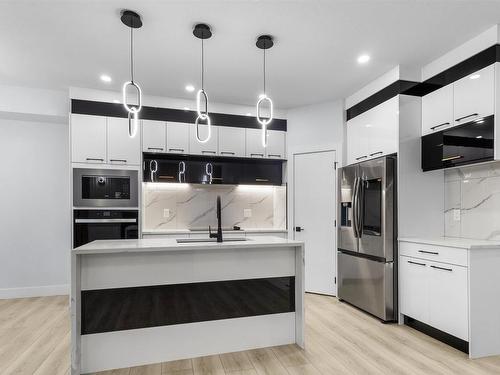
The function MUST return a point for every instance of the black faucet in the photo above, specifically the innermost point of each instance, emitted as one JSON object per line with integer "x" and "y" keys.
{"x": 217, "y": 235}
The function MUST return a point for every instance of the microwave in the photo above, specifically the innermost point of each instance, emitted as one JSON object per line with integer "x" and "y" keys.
{"x": 105, "y": 188}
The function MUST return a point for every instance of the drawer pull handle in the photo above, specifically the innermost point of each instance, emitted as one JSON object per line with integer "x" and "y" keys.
{"x": 227, "y": 153}
{"x": 377, "y": 153}
{"x": 428, "y": 252}
{"x": 261, "y": 180}
{"x": 261, "y": 155}
{"x": 166, "y": 177}
{"x": 416, "y": 263}
{"x": 274, "y": 156}
{"x": 442, "y": 268}
{"x": 208, "y": 152}
{"x": 463, "y": 118}
{"x": 438, "y": 126}
{"x": 217, "y": 178}
{"x": 94, "y": 159}
{"x": 156, "y": 148}
{"x": 362, "y": 157}
{"x": 176, "y": 149}
{"x": 120, "y": 160}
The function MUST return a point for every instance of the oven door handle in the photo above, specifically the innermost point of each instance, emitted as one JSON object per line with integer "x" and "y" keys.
{"x": 100, "y": 221}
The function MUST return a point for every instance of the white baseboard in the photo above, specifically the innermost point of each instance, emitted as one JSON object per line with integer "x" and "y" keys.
{"x": 34, "y": 291}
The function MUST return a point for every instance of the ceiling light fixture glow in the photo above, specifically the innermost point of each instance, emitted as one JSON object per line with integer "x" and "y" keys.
{"x": 363, "y": 59}
{"x": 264, "y": 42}
{"x": 479, "y": 137}
{"x": 105, "y": 78}
{"x": 202, "y": 31}
{"x": 189, "y": 88}
{"x": 133, "y": 21}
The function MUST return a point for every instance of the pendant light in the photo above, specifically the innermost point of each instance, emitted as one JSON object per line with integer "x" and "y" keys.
{"x": 133, "y": 21}
{"x": 264, "y": 42}
{"x": 202, "y": 31}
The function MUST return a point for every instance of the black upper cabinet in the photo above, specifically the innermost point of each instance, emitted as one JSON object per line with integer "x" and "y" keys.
{"x": 211, "y": 170}
{"x": 469, "y": 143}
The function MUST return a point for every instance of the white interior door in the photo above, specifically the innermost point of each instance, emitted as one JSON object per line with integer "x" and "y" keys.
{"x": 314, "y": 218}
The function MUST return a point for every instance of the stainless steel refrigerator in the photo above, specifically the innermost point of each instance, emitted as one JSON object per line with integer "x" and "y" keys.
{"x": 367, "y": 234}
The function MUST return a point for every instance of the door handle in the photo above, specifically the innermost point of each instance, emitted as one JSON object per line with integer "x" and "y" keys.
{"x": 208, "y": 152}
{"x": 299, "y": 229}
{"x": 227, "y": 153}
{"x": 156, "y": 148}
{"x": 377, "y": 153}
{"x": 428, "y": 252}
{"x": 261, "y": 155}
{"x": 120, "y": 160}
{"x": 417, "y": 263}
{"x": 94, "y": 159}
{"x": 176, "y": 149}
{"x": 464, "y": 117}
{"x": 442, "y": 268}
{"x": 362, "y": 157}
{"x": 438, "y": 126}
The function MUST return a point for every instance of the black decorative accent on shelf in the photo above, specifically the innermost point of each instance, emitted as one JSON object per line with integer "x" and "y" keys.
{"x": 108, "y": 310}
{"x": 225, "y": 170}
{"x": 472, "y": 64}
{"x": 448, "y": 339}
{"x": 88, "y": 107}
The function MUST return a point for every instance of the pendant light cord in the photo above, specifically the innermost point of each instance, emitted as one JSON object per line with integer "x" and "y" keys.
{"x": 202, "y": 66}
{"x": 132, "y": 54}
{"x": 264, "y": 72}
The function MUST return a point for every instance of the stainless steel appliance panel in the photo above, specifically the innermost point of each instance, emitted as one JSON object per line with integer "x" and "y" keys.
{"x": 377, "y": 212}
{"x": 105, "y": 188}
{"x": 367, "y": 284}
{"x": 347, "y": 239}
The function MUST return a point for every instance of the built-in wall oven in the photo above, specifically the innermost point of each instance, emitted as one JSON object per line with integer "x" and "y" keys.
{"x": 105, "y": 205}
{"x": 105, "y": 188}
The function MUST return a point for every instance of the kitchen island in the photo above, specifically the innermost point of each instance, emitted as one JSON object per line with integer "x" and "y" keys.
{"x": 135, "y": 302}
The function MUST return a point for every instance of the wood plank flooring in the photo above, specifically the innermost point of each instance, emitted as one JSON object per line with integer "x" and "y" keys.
{"x": 34, "y": 339}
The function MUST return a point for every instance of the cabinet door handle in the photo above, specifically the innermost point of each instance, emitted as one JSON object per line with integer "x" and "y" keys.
{"x": 120, "y": 160}
{"x": 208, "y": 152}
{"x": 377, "y": 153}
{"x": 261, "y": 180}
{"x": 166, "y": 177}
{"x": 362, "y": 157}
{"x": 438, "y": 126}
{"x": 261, "y": 155}
{"x": 176, "y": 149}
{"x": 156, "y": 148}
{"x": 217, "y": 178}
{"x": 94, "y": 159}
{"x": 274, "y": 156}
{"x": 416, "y": 263}
{"x": 442, "y": 268}
{"x": 428, "y": 252}
{"x": 463, "y": 118}
{"x": 227, "y": 153}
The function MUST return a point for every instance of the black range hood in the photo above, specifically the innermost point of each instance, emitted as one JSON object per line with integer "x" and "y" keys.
{"x": 470, "y": 143}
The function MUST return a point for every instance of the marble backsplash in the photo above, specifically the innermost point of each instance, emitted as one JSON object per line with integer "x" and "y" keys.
{"x": 188, "y": 206}
{"x": 473, "y": 192}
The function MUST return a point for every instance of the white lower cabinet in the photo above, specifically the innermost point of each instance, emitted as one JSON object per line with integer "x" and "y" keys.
{"x": 435, "y": 293}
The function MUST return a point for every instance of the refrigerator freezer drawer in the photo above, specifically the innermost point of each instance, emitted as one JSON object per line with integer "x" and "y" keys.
{"x": 367, "y": 284}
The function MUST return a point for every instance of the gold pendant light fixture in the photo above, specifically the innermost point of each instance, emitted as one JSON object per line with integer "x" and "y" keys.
{"x": 133, "y": 21}
{"x": 202, "y": 31}
{"x": 264, "y": 42}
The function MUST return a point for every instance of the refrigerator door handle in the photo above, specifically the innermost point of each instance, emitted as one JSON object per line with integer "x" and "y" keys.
{"x": 355, "y": 208}
{"x": 360, "y": 199}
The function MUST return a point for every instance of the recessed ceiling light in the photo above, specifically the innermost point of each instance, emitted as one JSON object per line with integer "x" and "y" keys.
{"x": 189, "y": 88}
{"x": 116, "y": 101}
{"x": 363, "y": 59}
{"x": 475, "y": 76}
{"x": 105, "y": 78}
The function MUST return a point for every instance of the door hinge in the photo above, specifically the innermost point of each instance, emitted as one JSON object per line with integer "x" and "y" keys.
{"x": 335, "y": 278}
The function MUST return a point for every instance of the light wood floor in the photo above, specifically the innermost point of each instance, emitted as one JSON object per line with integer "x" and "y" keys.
{"x": 34, "y": 339}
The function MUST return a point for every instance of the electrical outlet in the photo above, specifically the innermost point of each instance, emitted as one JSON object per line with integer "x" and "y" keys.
{"x": 247, "y": 212}
{"x": 166, "y": 213}
{"x": 456, "y": 214}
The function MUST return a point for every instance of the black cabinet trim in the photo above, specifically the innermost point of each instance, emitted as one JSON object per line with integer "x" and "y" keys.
{"x": 470, "y": 65}
{"x": 88, "y": 107}
{"x": 108, "y": 310}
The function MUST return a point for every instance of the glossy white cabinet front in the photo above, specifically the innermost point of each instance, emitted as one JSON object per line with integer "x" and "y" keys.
{"x": 154, "y": 136}
{"x": 122, "y": 149}
{"x": 254, "y": 147}
{"x": 474, "y": 95}
{"x": 414, "y": 288}
{"x": 231, "y": 141}
{"x": 275, "y": 144}
{"x": 210, "y": 147}
{"x": 437, "y": 110}
{"x": 88, "y": 139}
{"x": 178, "y": 137}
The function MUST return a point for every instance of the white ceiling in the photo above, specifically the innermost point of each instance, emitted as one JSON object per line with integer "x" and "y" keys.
{"x": 57, "y": 44}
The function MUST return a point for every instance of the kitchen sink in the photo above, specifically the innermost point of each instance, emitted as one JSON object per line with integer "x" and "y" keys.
{"x": 208, "y": 240}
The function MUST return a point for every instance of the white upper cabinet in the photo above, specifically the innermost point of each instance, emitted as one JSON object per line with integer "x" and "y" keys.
{"x": 178, "y": 137}
{"x": 122, "y": 149}
{"x": 88, "y": 139}
{"x": 231, "y": 141}
{"x": 276, "y": 141}
{"x": 210, "y": 147}
{"x": 474, "y": 96}
{"x": 254, "y": 147}
{"x": 154, "y": 136}
{"x": 373, "y": 133}
{"x": 437, "y": 110}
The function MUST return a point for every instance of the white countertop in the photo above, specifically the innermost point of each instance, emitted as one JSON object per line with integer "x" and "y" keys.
{"x": 170, "y": 244}
{"x": 194, "y": 231}
{"x": 464, "y": 243}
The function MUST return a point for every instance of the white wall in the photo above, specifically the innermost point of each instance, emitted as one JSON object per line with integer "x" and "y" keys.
{"x": 35, "y": 215}
{"x": 317, "y": 127}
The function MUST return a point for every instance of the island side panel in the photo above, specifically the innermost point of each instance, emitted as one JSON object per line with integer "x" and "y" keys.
{"x": 299, "y": 296}
{"x": 75, "y": 302}
{"x": 484, "y": 304}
